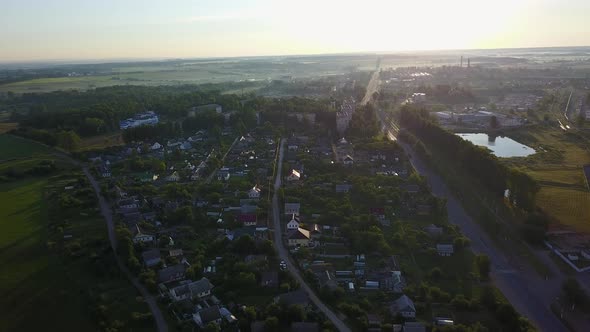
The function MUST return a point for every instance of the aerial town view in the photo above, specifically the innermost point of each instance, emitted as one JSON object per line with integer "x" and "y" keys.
{"x": 263, "y": 166}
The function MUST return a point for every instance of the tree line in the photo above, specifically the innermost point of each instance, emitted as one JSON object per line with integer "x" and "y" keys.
{"x": 476, "y": 161}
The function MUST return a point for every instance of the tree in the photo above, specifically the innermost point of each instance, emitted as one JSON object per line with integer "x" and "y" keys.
{"x": 183, "y": 215}
{"x": 212, "y": 327}
{"x": 483, "y": 265}
{"x": 68, "y": 140}
{"x": 296, "y": 313}
{"x": 461, "y": 243}
{"x": 507, "y": 315}
{"x": 271, "y": 324}
{"x": 250, "y": 313}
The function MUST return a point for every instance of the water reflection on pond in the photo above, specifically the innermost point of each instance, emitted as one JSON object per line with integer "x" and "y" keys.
{"x": 500, "y": 146}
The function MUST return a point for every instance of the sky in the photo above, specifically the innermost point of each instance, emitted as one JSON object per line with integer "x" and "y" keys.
{"x": 35, "y": 30}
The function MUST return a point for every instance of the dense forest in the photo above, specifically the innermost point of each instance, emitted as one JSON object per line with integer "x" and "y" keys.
{"x": 476, "y": 161}
{"x": 68, "y": 115}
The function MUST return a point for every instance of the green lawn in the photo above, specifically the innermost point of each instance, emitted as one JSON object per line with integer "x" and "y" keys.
{"x": 15, "y": 147}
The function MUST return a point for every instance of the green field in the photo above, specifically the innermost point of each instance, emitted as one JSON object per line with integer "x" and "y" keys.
{"x": 12, "y": 147}
{"x": 33, "y": 284}
{"x": 44, "y": 288}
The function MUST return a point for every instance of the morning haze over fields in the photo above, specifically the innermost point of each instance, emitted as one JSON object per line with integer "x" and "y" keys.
{"x": 294, "y": 166}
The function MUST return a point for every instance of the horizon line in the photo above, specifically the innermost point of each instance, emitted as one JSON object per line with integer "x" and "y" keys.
{"x": 99, "y": 61}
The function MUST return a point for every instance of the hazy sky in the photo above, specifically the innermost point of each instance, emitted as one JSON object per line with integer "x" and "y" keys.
{"x": 100, "y": 29}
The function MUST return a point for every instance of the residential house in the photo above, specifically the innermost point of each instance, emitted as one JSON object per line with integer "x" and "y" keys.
{"x": 175, "y": 252}
{"x": 173, "y": 144}
{"x": 208, "y": 315}
{"x": 254, "y": 193}
{"x": 292, "y": 208}
{"x": 433, "y": 230}
{"x": 186, "y": 146}
{"x": 104, "y": 171}
{"x": 149, "y": 216}
{"x": 404, "y": 307}
{"x": 249, "y": 219}
{"x": 130, "y": 203}
{"x": 156, "y": 146}
{"x": 151, "y": 257}
{"x": 171, "y": 273}
{"x": 378, "y": 212}
{"x": 141, "y": 237}
{"x": 269, "y": 279}
{"x": 445, "y": 249}
{"x": 299, "y": 237}
{"x": 193, "y": 111}
{"x": 294, "y": 176}
{"x": 174, "y": 177}
{"x": 343, "y": 188}
{"x": 293, "y": 224}
{"x": 189, "y": 291}
{"x": 223, "y": 174}
{"x": 255, "y": 259}
{"x": 347, "y": 160}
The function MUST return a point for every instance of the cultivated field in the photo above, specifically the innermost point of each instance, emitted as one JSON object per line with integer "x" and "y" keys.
{"x": 32, "y": 281}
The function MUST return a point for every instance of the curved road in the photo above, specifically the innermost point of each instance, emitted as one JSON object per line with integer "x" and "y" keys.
{"x": 107, "y": 213}
{"x": 284, "y": 254}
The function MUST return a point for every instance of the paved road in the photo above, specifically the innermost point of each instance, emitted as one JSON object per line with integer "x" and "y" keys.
{"x": 372, "y": 87}
{"x": 284, "y": 254}
{"x": 530, "y": 294}
{"x": 107, "y": 213}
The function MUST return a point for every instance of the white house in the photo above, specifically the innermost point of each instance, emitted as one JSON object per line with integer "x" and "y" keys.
{"x": 174, "y": 177}
{"x": 140, "y": 237}
{"x": 156, "y": 146}
{"x": 141, "y": 119}
{"x": 293, "y": 224}
{"x": 105, "y": 171}
{"x": 403, "y": 306}
{"x": 294, "y": 176}
{"x": 254, "y": 193}
{"x": 186, "y": 146}
{"x": 445, "y": 249}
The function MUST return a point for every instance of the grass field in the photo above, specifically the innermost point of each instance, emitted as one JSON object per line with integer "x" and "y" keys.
{"x": 32, "y": 282}
{"x": 39, "y": 288}
{"x": 558, "y": 167}
{"x": 12, "y": 147}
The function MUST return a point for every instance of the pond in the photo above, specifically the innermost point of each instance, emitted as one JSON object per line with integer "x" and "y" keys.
{"x": 503, "y": 147}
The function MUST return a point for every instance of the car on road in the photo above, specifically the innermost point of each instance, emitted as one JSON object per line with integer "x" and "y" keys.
{"x": 283, "y": 265}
